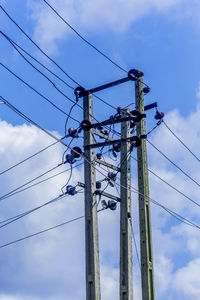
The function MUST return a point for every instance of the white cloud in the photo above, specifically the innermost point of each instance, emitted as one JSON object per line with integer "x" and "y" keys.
{"x": 91, "y": 16}
{"x": 186, "y": 280}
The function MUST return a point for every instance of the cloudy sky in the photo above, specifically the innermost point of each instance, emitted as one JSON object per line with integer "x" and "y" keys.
{"x": 159, "y": 37}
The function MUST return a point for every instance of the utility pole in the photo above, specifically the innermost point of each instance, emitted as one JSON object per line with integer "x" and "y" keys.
{"x": 126, "y": 270}
{"x": 91, "y": 222}
{"x": 91, "y": 226}
{"x": 147, "y": 274}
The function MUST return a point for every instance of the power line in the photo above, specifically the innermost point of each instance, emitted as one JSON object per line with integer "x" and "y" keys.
{"x": 171, "y": 212}
{"x": 26, "y": 159}
{"x": 45, "y": 230}
{"x": 67, "y": 119}
{"x": 22, "y": 215}
{"x": 31, "y": 121}
{"x": 42, "y": 231}
{"x": 173, "y": 163}
{"x": 19, "y": 216}
{"x": 9, "y": 194}
{"x": 135, "y": 244}
{"x": 171, "y": 186}
{"x": 36, "y": 91}
{"x": 13, "y": 192}
{"x": 177, "y": 216}
{"x": 36, "y": 60}
{"x": 86, "y": 41}
{"x": 15, "y": 46}
{"x": 44, "y": 180}
{"x": 181, "y": 141}
{"x": 46, "y": 77}
{"x": 37, "y": 45}
{"x": 46, "y": 55}
{"x": 44, "y": 97}
{"x": 48, "y": 133}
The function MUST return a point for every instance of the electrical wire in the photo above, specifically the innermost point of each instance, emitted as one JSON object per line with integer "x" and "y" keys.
{"x": 35, "y": 59}
{"x": 86, "y": 41}
{"x": 136, "y": 191}
{"x": 171, "y": 212}
{"x": 13, "y": 192}
{"x": 53, "y": 61}
{"x": 26, "y": 159}
{"x": 47, "y": 99}
{"x": 155, "y": 202}
{"x": 9, "y": 194}
{"x": 70, "y": 176}
{"x": 155, "y": 127}
{"x": 47, "y": 132}
{"x": 67, "y": 119}
{"x": 45, "y": 230}
{"x": 19, "y": 216}
{"x": 181, "y": 141}
{"x": 36, "y": 45}
{"x": 135, "y": 244}
{"x": 175, "y": 165}
{"x": 170, "y": 185}
{"x": 32, "y": 122}
{"x": 46, "y": 179}
{"x": 18, "y": 189}
{"x": 71, "y": 149}
{"x": 42, "y": 231}
{"x": 46, "y": 77}
{"x": 22, "y": 215}
{"x": 37, "y": 92}
{"x": 177, "y": 216}
{"x": 174, "y": 214}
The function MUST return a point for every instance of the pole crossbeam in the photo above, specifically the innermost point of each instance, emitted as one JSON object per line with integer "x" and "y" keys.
{"x": 97, "y": 145}
{"x": 107, "y": 195}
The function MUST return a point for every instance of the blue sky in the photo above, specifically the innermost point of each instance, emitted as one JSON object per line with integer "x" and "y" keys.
{"x": 161, "y": 38}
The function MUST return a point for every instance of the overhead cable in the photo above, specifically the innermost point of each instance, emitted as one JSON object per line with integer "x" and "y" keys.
{"x": 46, "y": 179}
{"x": 135, "y": 244}
{"x": 31, "y": 121}
{"x": 46, "y": 55}
{"x": 170, "y": 185}
{"x": 172, "y": 132}
{"x": 31, "y": 156}
{"x": 9, "y": 194}
{"x": 37, "y": 45}
{"x": 40, "y": 232}
{"x": 175, "y": 165}
{"x": 175, "y": 215}
{"x": 19, "y": 216}
{"x": 36, "y": 91}
{"x": 22, "y": 215}
{"x": 86, "y": 41}
{"x": 36, "y": 60}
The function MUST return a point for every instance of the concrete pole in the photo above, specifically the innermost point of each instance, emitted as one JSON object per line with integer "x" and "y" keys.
{"x": 147, "y": 275}
{"x": 126, "y": 271}
{"x": 91, "y": 222}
